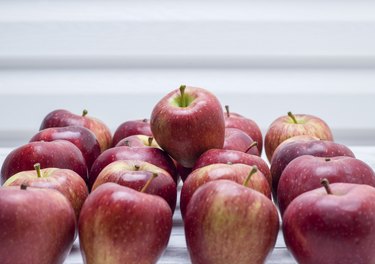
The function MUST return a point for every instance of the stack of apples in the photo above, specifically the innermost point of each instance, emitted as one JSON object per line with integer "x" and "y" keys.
{"x": 118, "y": 193}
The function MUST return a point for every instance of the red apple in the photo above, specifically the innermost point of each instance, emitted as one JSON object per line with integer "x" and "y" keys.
{"x": 36, "y": 226}
{"x": 234, "y": 120}
{"x": 236, "y": 139}
{"x": 63, "y": 118}
{"x": 130, "y": 128}
{"x": 234, "y": 172}
{"x": 303, "y": 145}
{"x": 292, "y": 125}
{"x": 134, "y": 174}
{"x": 138, "y": 141}
{"x": 120, "y": 225}
{"x": 68, "y": 182}
{"x": 55, "y": 154}
{"x": 305, "y": 172}
{"x": 332, "y": 226}
{"x": 154, "y": 156}
{"x": 229, "y": 223}
{"x": 187, "y": 122}
{"x": 82, "y": 137}
{"x": 213, "y": 156}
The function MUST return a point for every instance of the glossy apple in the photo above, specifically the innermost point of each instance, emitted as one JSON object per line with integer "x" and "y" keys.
{"x": 55, "y": 154}
{"x": 236, "y": 139}
{"x": 229, "y": 223}
{"x": 234, "y": 172}
{"x": 187, "y": 122}
{"x": 213, "y": 156}
{"x": 305, "y": 172}
{"x": 332, "y": 226}
{"x": 154, "y": 156}
{"x": 63, "y": 118}
{"x": 292, "y": 125}
{"x": 130, "y": 128}
{"x": 303, "y": 145}
{"x": 36, "y": 226}
{"x": 120, "y": 225}
{"x": 82, "y": 137}
{"x": 250, "y": 127}
{"x": 68, "y": 182}
{"x": 134, "y": 174}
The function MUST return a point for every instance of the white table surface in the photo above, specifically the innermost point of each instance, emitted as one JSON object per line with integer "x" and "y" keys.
{"x": 176, "y": 251}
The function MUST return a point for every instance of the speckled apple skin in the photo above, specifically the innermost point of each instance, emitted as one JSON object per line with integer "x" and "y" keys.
{"x": 229, "y": 223}
{"x": 120, "y": 225}
{"x": 332, "y": 228}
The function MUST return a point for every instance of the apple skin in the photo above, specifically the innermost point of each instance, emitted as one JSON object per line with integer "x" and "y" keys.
{"x": 332, "y": 228}
{"x": 82, "y": 137}
{"x": 250, "y": 127}
{"x": 284, "y": 127}
{"x": 130, "y": 128}
{"x": 138, "y": 141}
{"x": 303, "y": 145}
{"x": 182, "y": 171}
{"x": 63, "y": 118}
{"x": 36, "y": 226}
{"x": 305, "y": 172}
{"x": 154, "y": 156}
{"x": 229, "y": 223}
{"x": 186, "y": 132}
{"x": 234, "y": 172}
{"x": 236, "y": 139}
{"x": 120, "y": 225}
{"x": 134, "y": 174}
{"x": 67, "y": 182}
{"x": 24, "y": 157}
{"x": 213, "y": 156}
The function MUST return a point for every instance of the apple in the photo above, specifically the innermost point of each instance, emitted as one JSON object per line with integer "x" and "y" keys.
{"x": 154, "y": 156}
{"x": 291, "y": 125}
{"x": 55, "y": 154}
{"x": 305, "y": 172}
{"x": 236, "y": 139}
{"x": 36, "y": 226}
{"x": 187, "y": 122}
{"x": 134, "y": 174}
{"x": 213, "y": 156}
{"x": 130, "y": 128}
{"x": 63, "y": 118}
{"x": 234, "y": 172}
{"x": 82, "y": 137}
{"x": 138, "y": 141}
{"x": 250, "y": 127}
{"x": 334, "y": 224}
{"x": 68, "y": 182}
{"x": 229, "y": 223}
{"x": 303, "y": 145}
{"x": 120, "y": 225}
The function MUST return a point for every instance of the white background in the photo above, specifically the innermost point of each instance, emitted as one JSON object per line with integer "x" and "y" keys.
{"x": 117, "y": 59}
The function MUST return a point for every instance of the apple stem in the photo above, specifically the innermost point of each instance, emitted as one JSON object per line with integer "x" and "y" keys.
{"x": 252, "y": 172}
{"x": 292, "y": 117}
{"x": 23, "y": 186}
{"x": 154, "y": 175}
{"x": 252, "y": 145}
{"x": 37, "y": 168}
{"x": 326, "y": 186}
{"x": 144, "y": 120}
{"x": 182, "y": 98}
{"x": 227, "y": 110}
{"x": 150, "y": 139}
{"x": 327, "y": 159}
{"x": 136, "y": 167}
{"x": 84, "y": 112}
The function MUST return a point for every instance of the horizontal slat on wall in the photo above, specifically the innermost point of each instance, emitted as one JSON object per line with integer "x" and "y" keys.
{"x": 187, "y": 34}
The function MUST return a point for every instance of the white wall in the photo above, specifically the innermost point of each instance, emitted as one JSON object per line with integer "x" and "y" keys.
{"x": 117, "y": 59}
